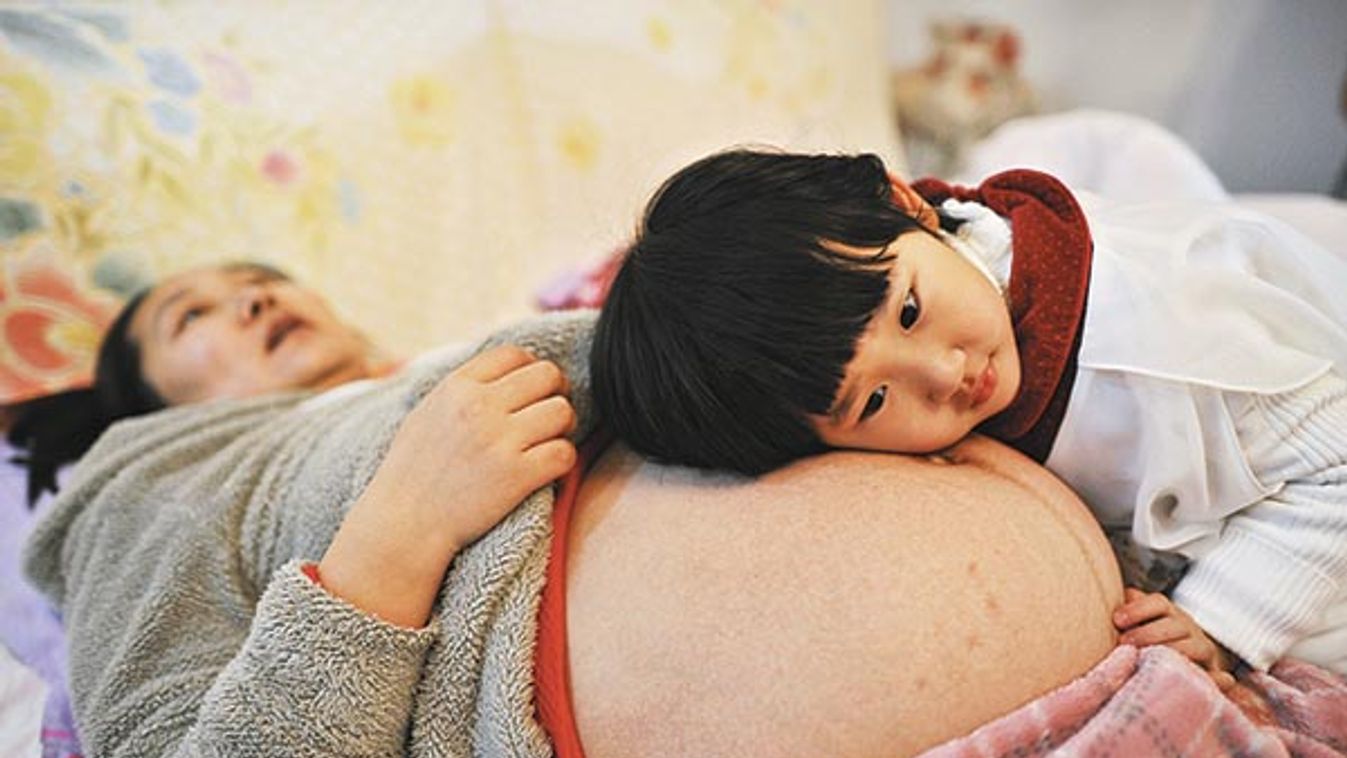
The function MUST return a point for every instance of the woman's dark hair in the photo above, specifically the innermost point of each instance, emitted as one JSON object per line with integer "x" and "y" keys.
{"x": 732, "y": 317}
{"x": 58, "y": 429}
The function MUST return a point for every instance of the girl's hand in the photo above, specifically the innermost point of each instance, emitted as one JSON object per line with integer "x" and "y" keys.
{"x": 1151, "y": 619}
{"x": 487, "y": 435}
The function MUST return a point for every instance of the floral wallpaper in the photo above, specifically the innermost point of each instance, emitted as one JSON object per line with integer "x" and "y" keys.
{"x": 428, "y": 164}
{"x": 120, "y": 161}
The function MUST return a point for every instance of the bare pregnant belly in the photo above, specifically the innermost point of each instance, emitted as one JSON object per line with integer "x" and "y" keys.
{"x": 852, "y": 604}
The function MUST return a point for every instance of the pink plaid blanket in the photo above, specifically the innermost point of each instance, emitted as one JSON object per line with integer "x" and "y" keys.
{"x": 1155, "y": 702}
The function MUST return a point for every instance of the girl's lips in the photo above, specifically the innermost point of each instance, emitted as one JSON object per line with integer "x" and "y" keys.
{"x": 986, "y": 386}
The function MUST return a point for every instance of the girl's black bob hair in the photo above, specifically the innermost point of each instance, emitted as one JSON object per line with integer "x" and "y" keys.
{"x": 736, "y": 309}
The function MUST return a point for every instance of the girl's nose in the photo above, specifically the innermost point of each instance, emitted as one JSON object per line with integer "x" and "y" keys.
{"x": 942, "y": 373}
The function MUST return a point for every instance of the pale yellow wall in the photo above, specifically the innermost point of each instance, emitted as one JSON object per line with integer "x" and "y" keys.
{"x": 427, "y": 163}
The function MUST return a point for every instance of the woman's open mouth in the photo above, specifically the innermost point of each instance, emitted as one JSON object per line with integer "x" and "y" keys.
{"x": 280, "y": 329}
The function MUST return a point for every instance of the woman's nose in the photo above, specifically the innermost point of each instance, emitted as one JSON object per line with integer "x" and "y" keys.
{"x": 253, "y": 301}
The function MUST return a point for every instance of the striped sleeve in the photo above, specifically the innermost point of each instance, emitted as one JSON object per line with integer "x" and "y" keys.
{"x": 1281, "y": 562}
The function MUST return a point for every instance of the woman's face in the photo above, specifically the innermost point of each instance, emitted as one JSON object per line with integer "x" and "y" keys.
{"x": 237, "y": 331}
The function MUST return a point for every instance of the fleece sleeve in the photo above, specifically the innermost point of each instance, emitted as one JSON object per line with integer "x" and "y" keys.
{"x": 315, "y": 673}
{"x": 1282, "y": 561}
{"x": 313, "y": 676}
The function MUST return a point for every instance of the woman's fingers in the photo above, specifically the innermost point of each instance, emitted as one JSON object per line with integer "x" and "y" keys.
{"x": 490, "y": 365}
{"x": 550, "y": 460}
{"x": 514, "y": 377}
{"x": 543, "y": 420}
{"x": 527, "y": 384}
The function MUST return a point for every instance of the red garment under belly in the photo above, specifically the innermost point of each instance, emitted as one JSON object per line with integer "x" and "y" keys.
{"x": 551, "y": 666}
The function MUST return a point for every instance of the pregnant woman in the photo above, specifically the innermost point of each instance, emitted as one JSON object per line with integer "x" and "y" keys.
{"x": 293, "y": 557}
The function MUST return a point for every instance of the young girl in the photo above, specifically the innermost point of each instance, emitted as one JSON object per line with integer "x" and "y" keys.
{"x": 1180, "y": 365}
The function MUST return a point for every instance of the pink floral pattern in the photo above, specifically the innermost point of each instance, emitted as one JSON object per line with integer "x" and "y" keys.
{"x": 50, "y": 329}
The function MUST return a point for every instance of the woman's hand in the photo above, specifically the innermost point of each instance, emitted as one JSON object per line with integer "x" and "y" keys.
{"x": 1152, "y": 619}
{"x": 490, "y": 433}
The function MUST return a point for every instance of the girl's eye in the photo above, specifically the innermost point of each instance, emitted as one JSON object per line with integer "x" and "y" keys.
{"x": 911, "y": 310}
{"x": 874, "y": 403}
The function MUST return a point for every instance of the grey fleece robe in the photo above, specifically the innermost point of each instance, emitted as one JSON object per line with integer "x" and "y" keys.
{"x": 174, "y": 555}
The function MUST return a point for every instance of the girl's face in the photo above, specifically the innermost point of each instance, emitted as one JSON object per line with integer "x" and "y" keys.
{"x": 238, "y": 331}
{"x": 937, "y": 359}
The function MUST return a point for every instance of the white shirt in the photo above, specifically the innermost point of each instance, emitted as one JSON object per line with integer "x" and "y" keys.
{"x": 1209, "y": 412}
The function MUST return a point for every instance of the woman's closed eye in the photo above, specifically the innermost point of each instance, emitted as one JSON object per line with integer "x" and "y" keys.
{"x": 874, "y": 403}
{"x": 189, "y": 315}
